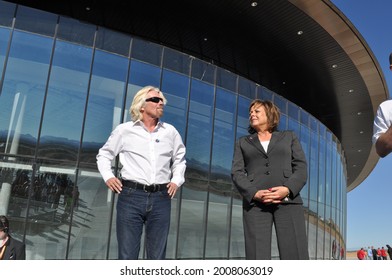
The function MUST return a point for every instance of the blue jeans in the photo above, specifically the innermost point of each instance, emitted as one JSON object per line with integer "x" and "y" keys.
{"x": 136, "y": 208}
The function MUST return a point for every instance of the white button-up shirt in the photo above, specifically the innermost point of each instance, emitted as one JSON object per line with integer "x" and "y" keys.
{"x": 155, "y": 157}
{"x": 383, "y": 119}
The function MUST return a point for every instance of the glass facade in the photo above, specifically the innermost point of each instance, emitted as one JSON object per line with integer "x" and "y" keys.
{"x": 65, "y": 85}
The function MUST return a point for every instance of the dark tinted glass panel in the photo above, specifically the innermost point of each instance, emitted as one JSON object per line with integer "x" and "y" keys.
{"x": 335, "y": 175}
{"x": 322, "y": 172}
{"x": 175, "y": 87}
{"x": 265, "y": 94}
{"x": 281, "y": 103}
{"x": 225, "y": 116}
{"x": 203, "y": 71}
{"x": 112, "y": 41}
{"x": 321, "y": 198}
{"x": 105, "y": 103}
{"x": 23, "y": 92}
{"x": 194, "y": 192}
{"x": 314, "y": 124}
{"x": 283, "y": 122}
{"x": 313, "y": 193}
{"x": 140, "y": 75}
{"x": 305, "y": 143}
{"x": 200, "y": 123}
{"x": 4, "y": 39}
{"x": 146, "y": 51}
{"x": 243, "y": 116}
{"x": 304, "y": 117}
{"x": 328, "y": 171}
{"x": 293, "y": 111}
{"x": 143, "y": 74}
{"x": 36, "y": 21}
{"x": 176, "y": 61}
{"x": 226, "y": 79}
{"x": 75, "y": 31}
{"x": 322, "y": 131}
{"x": 246, "y": 88}
{"x": 220, "y": 185}
{"x": 237, "y": 238}
{"x": 293, "y": 125}
{"x": 334, "y": 178}
{"x": 66, "y": 101}
{"x": 7, "y": 11}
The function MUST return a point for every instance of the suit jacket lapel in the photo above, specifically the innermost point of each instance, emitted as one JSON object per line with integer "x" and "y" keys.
{"x": 254, "y": 140}
{"x": 276, "y": 135}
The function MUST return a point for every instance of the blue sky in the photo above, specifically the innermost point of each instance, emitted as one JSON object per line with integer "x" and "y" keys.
{"x": 369, "y": 220}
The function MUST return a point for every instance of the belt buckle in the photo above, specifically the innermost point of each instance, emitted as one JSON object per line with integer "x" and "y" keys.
{"x": 150, "y": 188}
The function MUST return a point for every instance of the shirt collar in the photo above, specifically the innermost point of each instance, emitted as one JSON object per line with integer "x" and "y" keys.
{"x": 139, "y": 122}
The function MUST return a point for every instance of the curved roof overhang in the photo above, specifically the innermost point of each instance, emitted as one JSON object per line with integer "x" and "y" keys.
{"x": 305, "y": 50}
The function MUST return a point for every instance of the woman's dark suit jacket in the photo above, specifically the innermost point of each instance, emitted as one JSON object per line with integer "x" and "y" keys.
{"x": 15, "y": 250}
{"x": 284, "y": 164}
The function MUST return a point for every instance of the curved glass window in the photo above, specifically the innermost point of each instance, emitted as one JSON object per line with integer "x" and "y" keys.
{"x": 65, "y": 102}
{"x": 23, "y": 91}
{"x": 63, "y": 93}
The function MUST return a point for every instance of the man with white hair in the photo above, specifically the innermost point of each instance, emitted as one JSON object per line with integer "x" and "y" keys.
{"x": 152, "y": 155}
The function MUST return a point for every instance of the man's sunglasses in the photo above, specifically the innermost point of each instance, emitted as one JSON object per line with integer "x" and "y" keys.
{"x": 154, "y": 99}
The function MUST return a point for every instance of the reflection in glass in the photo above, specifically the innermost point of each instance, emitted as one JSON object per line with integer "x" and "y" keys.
{"x": 105, "y": 103}
{"x": 140, "y": 75}
{"x": 194, "y": 192}
{"x": 44, "y": 196}
{"x": 91, "y": 236}
{"x": 51, "y": 189}
{"x": 220, "y": 188}
{"x": 175, "y": 88}
{"x": 22, "y": 94}
{"x": 66, "y": 102}
{"x": 304, "y": 138}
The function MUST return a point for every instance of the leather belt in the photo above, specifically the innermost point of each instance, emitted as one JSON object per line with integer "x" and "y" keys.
{"x": 143, "y": 187}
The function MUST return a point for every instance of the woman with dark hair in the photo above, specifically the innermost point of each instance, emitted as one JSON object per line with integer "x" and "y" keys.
{"x": 10, "y": 248}
{"x": 269, "y": 170}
